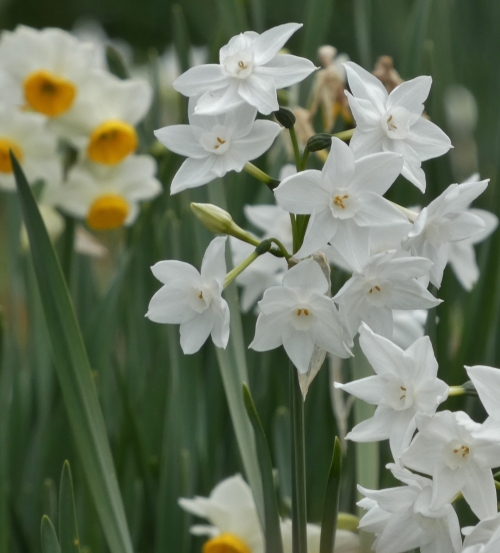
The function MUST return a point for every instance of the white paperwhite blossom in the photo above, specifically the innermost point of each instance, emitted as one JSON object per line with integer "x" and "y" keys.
{"x": 231, "y": 512}
{"x": 461, "y": 255}
{"x": 299, "y": 316}
{"x": 108, "y": 197}
{"x": 393, "y": 122}
{"x": 216, "y": 144}
{"x": 408, "y": 326}
{"x": 446, "y": 219}
{"x": 345, "y": 541}
{"x": 344, "y": 199}
{"x": 484, "y": 537}
{"x": 405, "y": 384}
{"x": 193, "y": 299}
{"x": 403, "y": 519}
{"x": 446, "y": 449}
{"x": 250, "y": 71}
{"x": 486, "y": 380}
{"x": 385, "y": 283}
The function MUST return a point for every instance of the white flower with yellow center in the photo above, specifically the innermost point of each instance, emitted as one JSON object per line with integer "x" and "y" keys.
{"x": 33, "y": 145}
{"x": 44, "y": 70}
{"x": 194, "y": 299}
{"x": 299, "y": 316}
{"x": 234, "y": 523}
{"x": 250, "y": 71}
{"x": 108, "y": 197}
{"x": 102, "y": 121}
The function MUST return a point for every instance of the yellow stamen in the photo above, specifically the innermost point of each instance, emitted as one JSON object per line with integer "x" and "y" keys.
{"x": 339, "y": 200}
{"x": 48, "y": 93}
{"x": 241, "y": 65}
{"x": 5, "y": 145}
{"x": 200, "y": 295}
{"x": 306, "y": 312}
{"x": 108, "y": 212}
{"x": 111, "y": 142}
{"x": 463, "y": 450}
{"x": 226, "y": 543}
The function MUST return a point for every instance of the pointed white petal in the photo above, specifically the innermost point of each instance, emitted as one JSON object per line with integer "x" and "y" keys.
{"x": 183, "y": 140}
{"x": 370, "y": 389}
{"x": 220, "y": 330}
{"x": 268, "y": 331}
{"x": 305, "y": 278}
{"x": 486, "y": 380}
{"x": 376, "y": 172}
{"x": 320, "y": 230}
{"x": 411, "y": 295}
{"x": 410, "y": 95}
{"x": 239, "y": 121}
{"x": 302, "y": 193}
{"x": 393, "y": 540}
{"x": 366, "y": 116}
{"x": 170, "y": 305}
{"x": 200, "y": 78}
{"x": 422, "y": 454}
{"x": 402, "y": 431}
{"x": 375, "y": 428}
{"x": 339, "y": 168}
{"x": 270, "y": 42}
{"x": 479, "y": 491}
{"x": 299, "y": 346}
{"x": 219, "y": 101}
{"x": 286, "y": 70}
{"x": 423, "y": 359}
{"x": 411, "y": 168}
{"x": 365, "y": 143}
{"x": 257, "y": 141}
{"x": 194, "y": 333}
{"x": 383, "y": 355}
{"x": 213, "y": 266}
{"x": 465, "y": 226}
{"x": 366, "y": 86}
{"x": 427, "y": 139}
{"x": 192, "y": 173}
{"x": 259, "y": 91}
{"x": 174, "y": 270}
{"x": 462, "y": 259}
{"x": 352, "y": 244}
{"x": 490, "y": 224}
{"x": 374, "y": 210}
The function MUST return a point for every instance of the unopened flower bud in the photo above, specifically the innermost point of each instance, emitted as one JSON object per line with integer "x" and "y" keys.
{"x": 319, "y": 142}
{"x": 285, "y": 117}
{"x": 219, "y": 221}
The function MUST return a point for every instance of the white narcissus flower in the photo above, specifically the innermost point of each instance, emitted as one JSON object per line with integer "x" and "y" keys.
{"x": 108, "y": 197}
{"x": 484, "y": 537}
{"x": 446, "y": 219}
{"x": 231, "y": 512}
{"x": 393, "y": 122}
{"x": 345, "y": 541}
{"x": 461, "y": 255}
{"x": 446, "y": 449}
{"x": 34, "y": 146}
{"x": 403, "y": 519}
{"x": 405, "y": 385}
{"x": 250, "y": 71}
{"x": 299, "y": 316}
{"x": 344, "y": 199}
{"x": 486, "y": 380}
{"x": 44, "y": 70}
{"x": 102, "y": 121}
{"x": 386, "y": 282}
{"x": 408, "y": 326}
{"x": 216, "y": 144}
{"x": 193, "y": 299}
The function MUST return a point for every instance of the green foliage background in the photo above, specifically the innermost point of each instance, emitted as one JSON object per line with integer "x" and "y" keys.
{"x": 166, "y": 414}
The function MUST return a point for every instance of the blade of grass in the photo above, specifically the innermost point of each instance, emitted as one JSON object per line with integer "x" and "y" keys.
{"x": 49, "y": 537}
{"x": 362, "y": 18}
{"x": 68, "y": 530}
{"x": 73, "y": 370}
{"x": 331, "y": 505}
{"x": 272, "y": 531}
{"x": 5, "y": 386}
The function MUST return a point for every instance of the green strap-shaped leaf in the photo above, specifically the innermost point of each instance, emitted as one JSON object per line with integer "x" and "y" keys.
{"x": 272, "y": 531}
{"x": 49, "y": 537}
{"x": 68, "y": 530}
{"x": 73, "y": 371}
{"x": 331, "y": 505}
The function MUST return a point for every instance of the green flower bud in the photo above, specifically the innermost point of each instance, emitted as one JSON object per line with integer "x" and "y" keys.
{"x": 285, "y": 117}
{"x": 319, "y": 142}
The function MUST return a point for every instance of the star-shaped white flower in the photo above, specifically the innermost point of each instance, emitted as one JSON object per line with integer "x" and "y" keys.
{"x": 343, "y": 199}
{"x": 446, "y": 219}
{"x": 446, "y": 449}
{"x": 386, "y": 282}
{"x": 250, "y": 71}
{"x": 405, "y": 384}
{"x": 231, "y": 512}
{"x": 193, "y": 299}
{"x": 486, "y": 380}
{"x": 216, "y": 144}
{"x": 393, "y": 122}
{"x": 402, "y": 518}
{"x": 299, "y": 316}
{"x": 484, "y": 537}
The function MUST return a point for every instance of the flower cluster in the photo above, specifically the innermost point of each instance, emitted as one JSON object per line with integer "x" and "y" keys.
{"x": 337, "y": 215}
{"x": 72, "y": 124}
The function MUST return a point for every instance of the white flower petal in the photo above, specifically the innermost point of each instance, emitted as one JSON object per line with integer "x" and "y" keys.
{"x": 268, "y": 331}
{"x": 173, "y": 270}
{"x": 366, "y": 86}
{"x": 486, "y": 380}
{"x": 376, "y": 172}
{"x": 320, "y": 230}
{"x": 286, "y": 70}
{"x": 374, "y": 210}
{"x": 479, "y": 491}
{"x": 257, "y": 141}
{"x": 375, "y": 428}
{"x": 270, "y": 42}
{"x": 192, "y": 173}
{"x": 302, "y": 193}
{"x": 339, "y": 166}
{"x": 410, "y": 95}
{"x": 219, "y": 101}
{"x": 365, "y": 143}
{"x": 370, "y": 389}
{"x": 383, "y": 355}
{"x": 213, "y": 266}
{"x": 198, "y": 79}
{"x": 427, "y": 139}
{"x": 411, "y": 168}
{"x": 305, "y": 278}
{"x": 412, "y": 295}
{"x": 465, "y": 225}
{"x": 194, "y": 333}
{"x": 299, "y": 347}
{"x": 366, "y": 116}
{"x": 170, "y": 305}
{"x": 259, "y": 91}
{"x": 183, "y": 140}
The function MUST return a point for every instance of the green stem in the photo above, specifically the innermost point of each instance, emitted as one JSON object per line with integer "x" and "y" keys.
{"x": 295, "y": 145}
{"x": 344, "y": 135}
{"x": 257, "y": 173}
{"x": 282, "y": 248}
{"x": 240, "y": 268}
{"x": 299, "y": 508}
{"x": 456, "y": 391}
{"x": 295, "y": 234}
{"x": 303, "y": 162}
{"x": 68, "y": 248}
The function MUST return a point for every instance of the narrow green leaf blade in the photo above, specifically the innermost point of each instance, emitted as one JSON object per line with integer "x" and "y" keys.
{"x": 73, "y": 370}
{"x": 272, "y": 531}
{"x": 331, "y": 505}
{"x": 68, "y": 531}
{"x": 49, "y": 537}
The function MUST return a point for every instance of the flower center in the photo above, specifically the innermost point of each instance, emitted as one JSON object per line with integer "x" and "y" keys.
{"x": 457, "y": 454}
{"x": 396, "y": 123}
{"x": 378, "y": 292}
{"x": 226, "y": 543}
{"x": 111, "y": 142}
{"x": 302, "y": 317}
{"x": 7, "y": 144}
{"x": 216, "y": 141}
{"x": 200, "y": 299}
{"x": 48, "y": 93}
{"x": 108, "y": 212}
{"x": 344, "y": 204}
{"x": 399, "y": 395}
{"x": 239, "y": 65}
